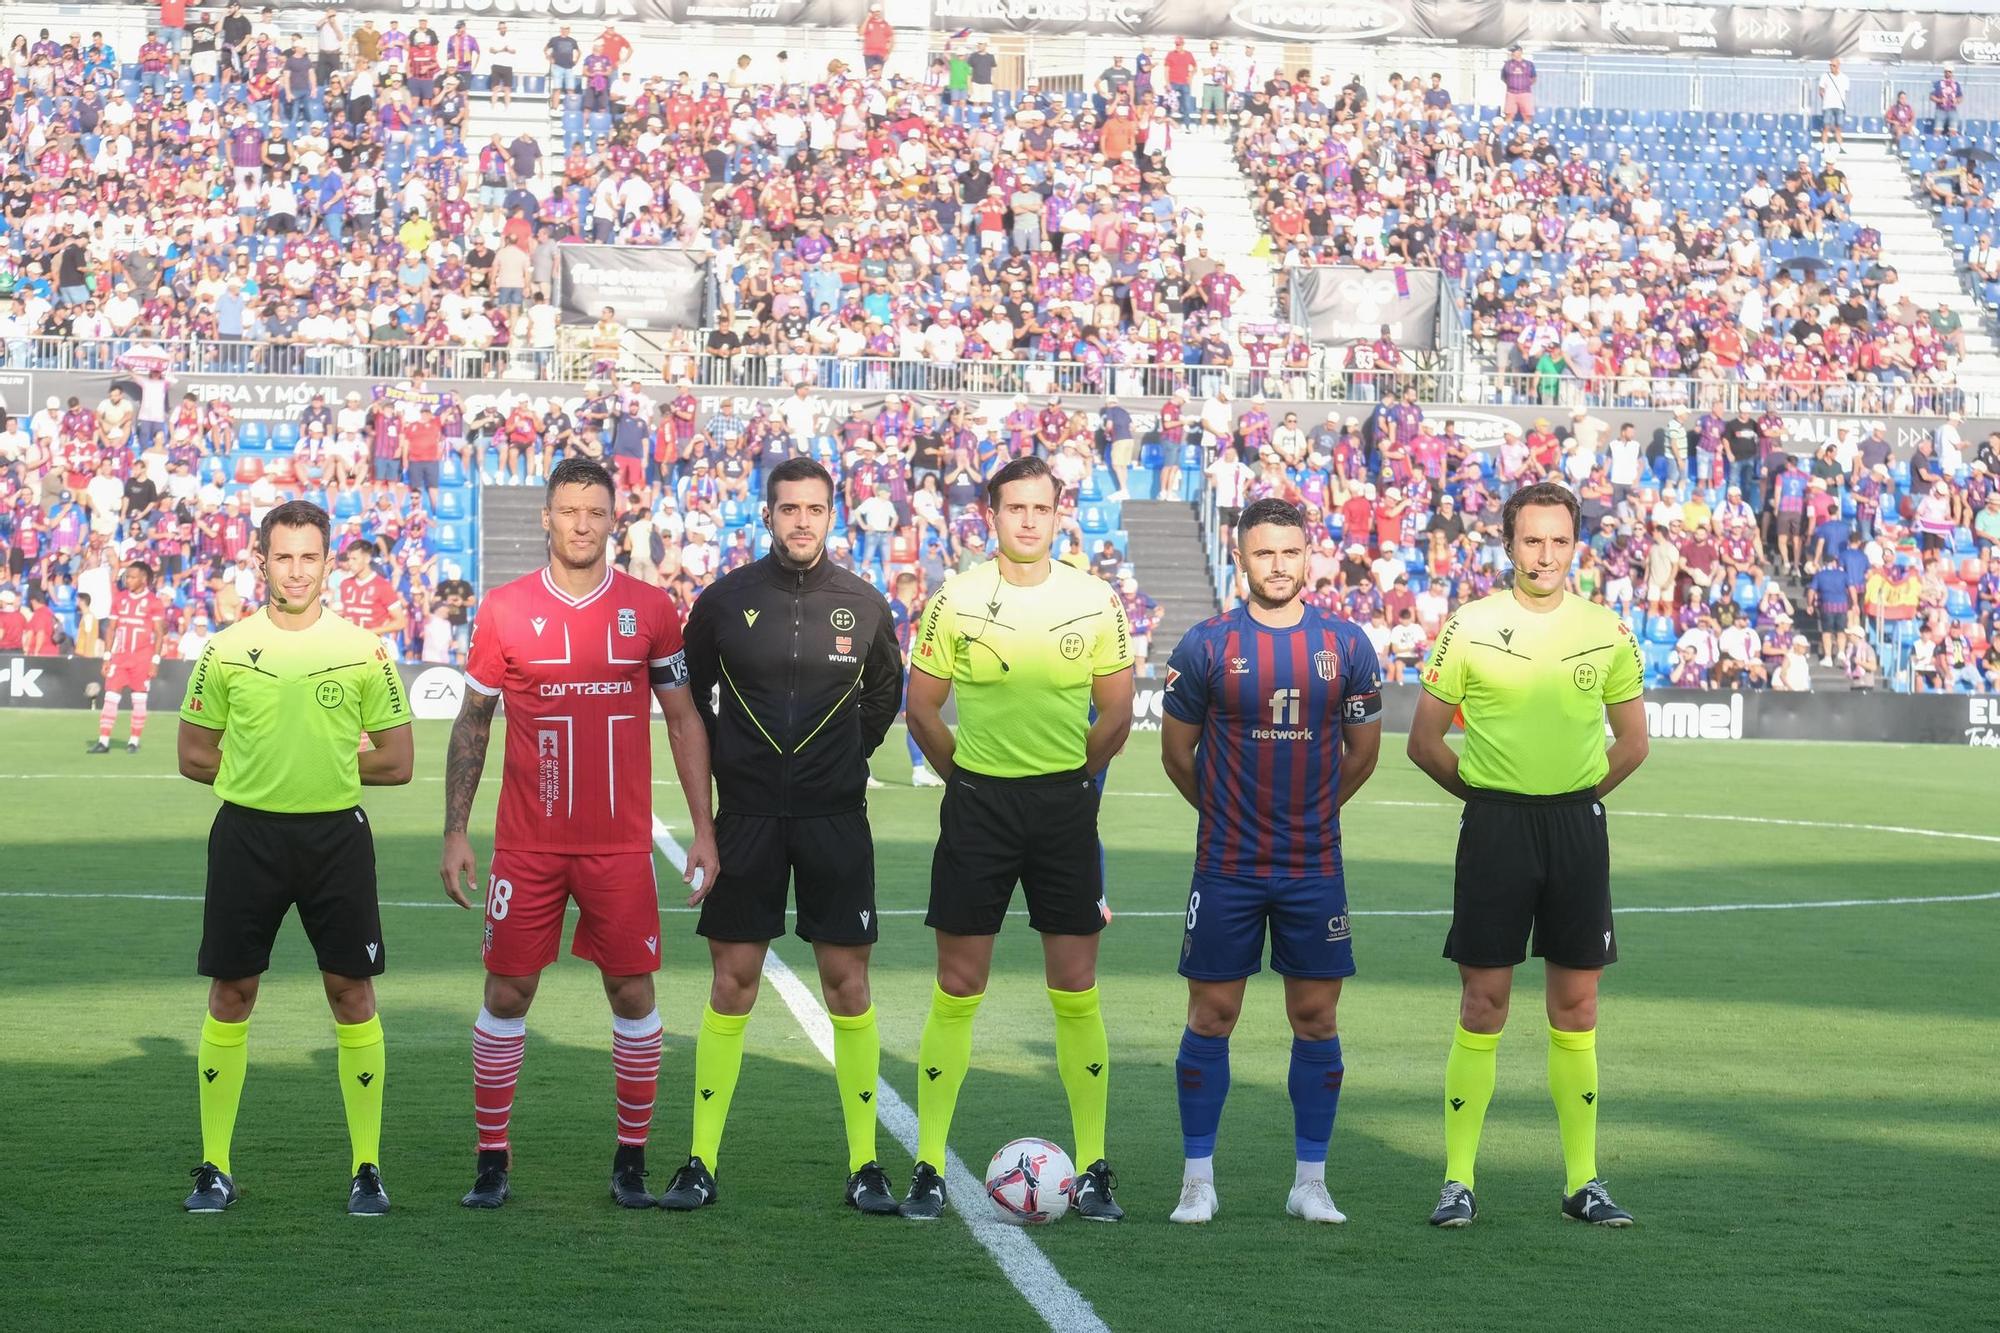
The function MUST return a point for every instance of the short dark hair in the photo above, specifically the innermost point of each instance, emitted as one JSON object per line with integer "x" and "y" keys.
{"x": 1541, "y": 493}
{"x": 1026, "y": 468}
{"x": 1269, "y": 510}
{"x": 144, "y": 569}
{"x": 363, "y": 545}
{"x": 295, "y": 514}
{"x": 799, "y": 468}
{"x": 579, "y": 472}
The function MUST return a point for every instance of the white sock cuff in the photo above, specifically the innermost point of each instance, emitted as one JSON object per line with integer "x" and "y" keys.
{"x": 500, "y": 1027}
{"x": 637, "y": 1029}
{"x": 1198, "y": 1168}
{"x": 112, "y": 699}
{"x": 1304, "y": 1171}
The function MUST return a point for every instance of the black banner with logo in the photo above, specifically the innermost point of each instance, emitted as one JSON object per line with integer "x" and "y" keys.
{"x": 1340, "y": 304}
{"x": 651, "y": 287}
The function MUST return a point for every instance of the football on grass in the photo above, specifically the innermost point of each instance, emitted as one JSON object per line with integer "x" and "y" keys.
{"x": 1029, "y": 1181}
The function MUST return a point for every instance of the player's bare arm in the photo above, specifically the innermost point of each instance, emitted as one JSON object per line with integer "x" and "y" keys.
{"x": 924, "y": 712}
{"x": 1428, "y": 749}
{"x": 390, "y": 758}
{"x": 465, "y": 759}
{"x": 689, "y": 740}
{"x": 1629, "y": 744}
{"x": 200, "y": 751}
{"x": 1360, "y": 748}
{"x": 1111, "y": 695}
{"x": 1178, "y": 742}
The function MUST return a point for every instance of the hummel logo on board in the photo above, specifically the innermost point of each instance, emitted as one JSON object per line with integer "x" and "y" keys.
{"x": 364, "y": 1079}
{"x": 706, "y": 1093}
{"x": 210, "y": 1074}
{"x": 932, "y": 1073}
{"x": 750, "y": 618}
{"x": 1457, "y": 1103}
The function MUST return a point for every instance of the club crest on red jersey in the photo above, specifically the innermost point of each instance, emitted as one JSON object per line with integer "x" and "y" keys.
{"x": 628, "y": 621}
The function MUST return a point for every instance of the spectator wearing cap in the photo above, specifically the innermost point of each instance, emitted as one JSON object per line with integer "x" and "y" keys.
{"x": 1517, "y": 78}
{"x": 1946, "y": 95}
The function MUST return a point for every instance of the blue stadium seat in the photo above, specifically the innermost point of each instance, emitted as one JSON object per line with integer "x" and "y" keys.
{"x": 285, "y": 436}
{"x": 1956, "y": 604}
{"x": 449, "y": 539}
{"x": 1660, "y": 629}
{"x": 451, "y": 472}
{"x": 347, "y": 505}
{"x": 451, "y": 503}
{"x": 1091, "y": 519}
{"x": 1746, "y": 592}
{"x": 251, "y": 435}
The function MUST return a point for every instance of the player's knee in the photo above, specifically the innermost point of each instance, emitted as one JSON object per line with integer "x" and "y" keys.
{"x": 1573, "y": 1015}
{"x": 352, "y": 999}
{"x": 845, "y": 995}
{"x": 1214, "y": 1015}
{"x": 631, "y": 997}
{"x": 1482, "y": 1011}
{"x": 731, "y": 992}
{"x": 1313, "y": 1021}
{"x": 509, "y": 997}
{"x": 232, "y": 1001}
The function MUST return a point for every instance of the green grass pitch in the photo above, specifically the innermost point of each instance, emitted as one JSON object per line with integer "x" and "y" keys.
{"x": 1798, "y": 1105}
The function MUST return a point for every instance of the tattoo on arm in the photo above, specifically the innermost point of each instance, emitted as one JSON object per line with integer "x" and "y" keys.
{"x": 466, "y": 758}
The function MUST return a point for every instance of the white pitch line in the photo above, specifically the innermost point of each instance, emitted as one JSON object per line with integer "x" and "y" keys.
{"x": 1061, "y": 1306}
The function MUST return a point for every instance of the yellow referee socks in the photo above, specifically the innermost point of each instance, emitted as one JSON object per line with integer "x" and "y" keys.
{"x": 220, "y": 1064}
{"x": 1469, "y": 1073}
{"x": 943, "y": 1056}
{"x": 362, "y": 1070}
{"x": 1573, "y": 1085}
{"x": 718, "y": 1060}
{"x": 1083, "y": 1058}
{"x": 857, "y": 1067}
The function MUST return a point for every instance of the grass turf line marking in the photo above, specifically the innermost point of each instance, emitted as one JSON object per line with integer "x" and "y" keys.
{"x": 1684, "y": 909}
{"x": 1021, "y": 1261}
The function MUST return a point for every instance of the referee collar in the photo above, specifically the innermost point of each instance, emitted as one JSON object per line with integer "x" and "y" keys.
{"x": 812, "y": 580}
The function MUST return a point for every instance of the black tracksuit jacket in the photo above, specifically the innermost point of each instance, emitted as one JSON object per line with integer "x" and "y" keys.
{"x": 797, "y": 677}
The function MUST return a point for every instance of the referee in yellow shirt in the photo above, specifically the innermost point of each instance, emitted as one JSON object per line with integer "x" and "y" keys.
{"x": 1030, "y": 646}
{"x": 1535, "y": 673}
{"x": 272, "y": 720}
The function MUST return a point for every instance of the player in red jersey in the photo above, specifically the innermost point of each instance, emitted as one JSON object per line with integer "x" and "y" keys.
{"x": 367, "y": 599}
{"x": 574, "y": 648}
{"x": 138, "y": 628}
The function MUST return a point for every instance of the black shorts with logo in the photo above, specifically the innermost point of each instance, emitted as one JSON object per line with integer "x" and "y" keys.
{"x": 831, "y": 858}
{"x": 1539, "y": 864}
{"x": 261, "y": 864}
{"x": 1040, "y": 832}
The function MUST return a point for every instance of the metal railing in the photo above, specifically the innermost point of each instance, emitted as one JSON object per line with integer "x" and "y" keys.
{"x": 1612, "y": 392}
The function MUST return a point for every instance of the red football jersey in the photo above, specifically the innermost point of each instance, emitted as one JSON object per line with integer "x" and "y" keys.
{"x": 135, "y": 619}
{"x": 366, "y": 602}
{"x": 576, "y": 675}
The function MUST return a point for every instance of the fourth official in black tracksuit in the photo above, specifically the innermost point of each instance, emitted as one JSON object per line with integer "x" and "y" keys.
{"x": 798, "y": 675}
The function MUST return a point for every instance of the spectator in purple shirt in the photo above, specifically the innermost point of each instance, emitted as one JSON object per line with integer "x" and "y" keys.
{"x": 1946, "y": 94}
{"x": 1518, "y": 76}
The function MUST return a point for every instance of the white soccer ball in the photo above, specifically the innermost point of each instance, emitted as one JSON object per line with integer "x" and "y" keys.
{"x": 1028, "y": 1182}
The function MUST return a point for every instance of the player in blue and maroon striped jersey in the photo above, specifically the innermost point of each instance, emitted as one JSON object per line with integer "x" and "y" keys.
{"x": 1272, "y": 722}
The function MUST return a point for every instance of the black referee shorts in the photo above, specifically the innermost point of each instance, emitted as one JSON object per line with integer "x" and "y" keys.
{"x": 831, "y": 858}
{"x": 1040, "y": 832}
{"x": 260, "y": 864}
{"x": 1539, "y": 864}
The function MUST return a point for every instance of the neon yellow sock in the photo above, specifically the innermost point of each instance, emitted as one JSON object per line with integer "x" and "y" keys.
{"x": 220, "y": 1064}
{"x": 362, "y": 1074}
{"x": 1083, "y": 1058}
{"x": 1469, "y": 1073}
{"x": 943, "y": 1057}
{"x": 718, "y": 1059}
{"x": 1573, "y": 1085}
{"x": 857, "y": 1067}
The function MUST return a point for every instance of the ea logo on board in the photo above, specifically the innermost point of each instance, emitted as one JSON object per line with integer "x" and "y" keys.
{"x": 437, "y": 693}
{"x": 1585, "y": 676}
{"x": 329, "y": 694}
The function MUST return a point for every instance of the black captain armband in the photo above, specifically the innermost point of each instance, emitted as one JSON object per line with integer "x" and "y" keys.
{"x": 668, "y": 673}
{"x": 1360, "y": 708}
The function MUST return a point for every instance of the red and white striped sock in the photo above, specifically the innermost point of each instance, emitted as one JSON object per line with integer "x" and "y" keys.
{"x": 107, "y": 717}
{"x": 497, "y": 1047}
{"x": 635, "y": 1064}
{"x": 138, "y": 715}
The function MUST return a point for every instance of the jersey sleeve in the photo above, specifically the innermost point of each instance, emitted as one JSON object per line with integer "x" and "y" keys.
{"x": 1185, "y": 698}
{"x": 1114, "y": 641}
{"x": 486, "y": 662}
{"x": 1444, "y": 671}
{"x": 1625, "y": 675}
{"x": 384, "y": 704}
{"x": 666, "y": 658}
{"x": 206, "y": 703}
{"x": 936, "y": 653}
{"x": 1360, "y": 683}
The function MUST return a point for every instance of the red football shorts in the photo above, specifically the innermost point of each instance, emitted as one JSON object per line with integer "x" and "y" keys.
{"x": 128, "y": 676}
{"x": 527, "y": 892}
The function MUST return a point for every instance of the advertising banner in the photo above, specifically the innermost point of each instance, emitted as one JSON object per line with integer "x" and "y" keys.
{"x": 651, "y": 287}
{"x": 1340, "y": 304}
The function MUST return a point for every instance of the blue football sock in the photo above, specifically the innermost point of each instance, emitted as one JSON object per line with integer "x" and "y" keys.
{"x": 1315, "y": 1087}
{"x": 1202, "y": 1071}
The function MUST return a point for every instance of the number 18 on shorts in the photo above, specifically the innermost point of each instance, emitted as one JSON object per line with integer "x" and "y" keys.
{"x": 1226, "y": 919}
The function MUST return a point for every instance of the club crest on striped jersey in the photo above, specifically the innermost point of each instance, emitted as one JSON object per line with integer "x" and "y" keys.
{"x": 628, "y": 621}
{"x": 1326, "y": 664}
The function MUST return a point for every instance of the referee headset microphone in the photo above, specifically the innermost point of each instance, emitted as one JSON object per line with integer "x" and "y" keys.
{"x": 1021, "y": 469}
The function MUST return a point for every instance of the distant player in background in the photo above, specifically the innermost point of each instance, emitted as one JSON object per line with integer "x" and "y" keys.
{"x": 138, "y": 628}
{"x": 576, "y": 648}
{"x": 1536, "y": 674}
{"x": 1273, "y": 720}
{"x": 367, "y": 599}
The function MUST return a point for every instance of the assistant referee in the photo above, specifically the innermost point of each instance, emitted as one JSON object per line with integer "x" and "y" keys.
{"x": 272, "y": 720}
{"x": 1030, "y": 646}
{"x": 1535, "y": 673}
